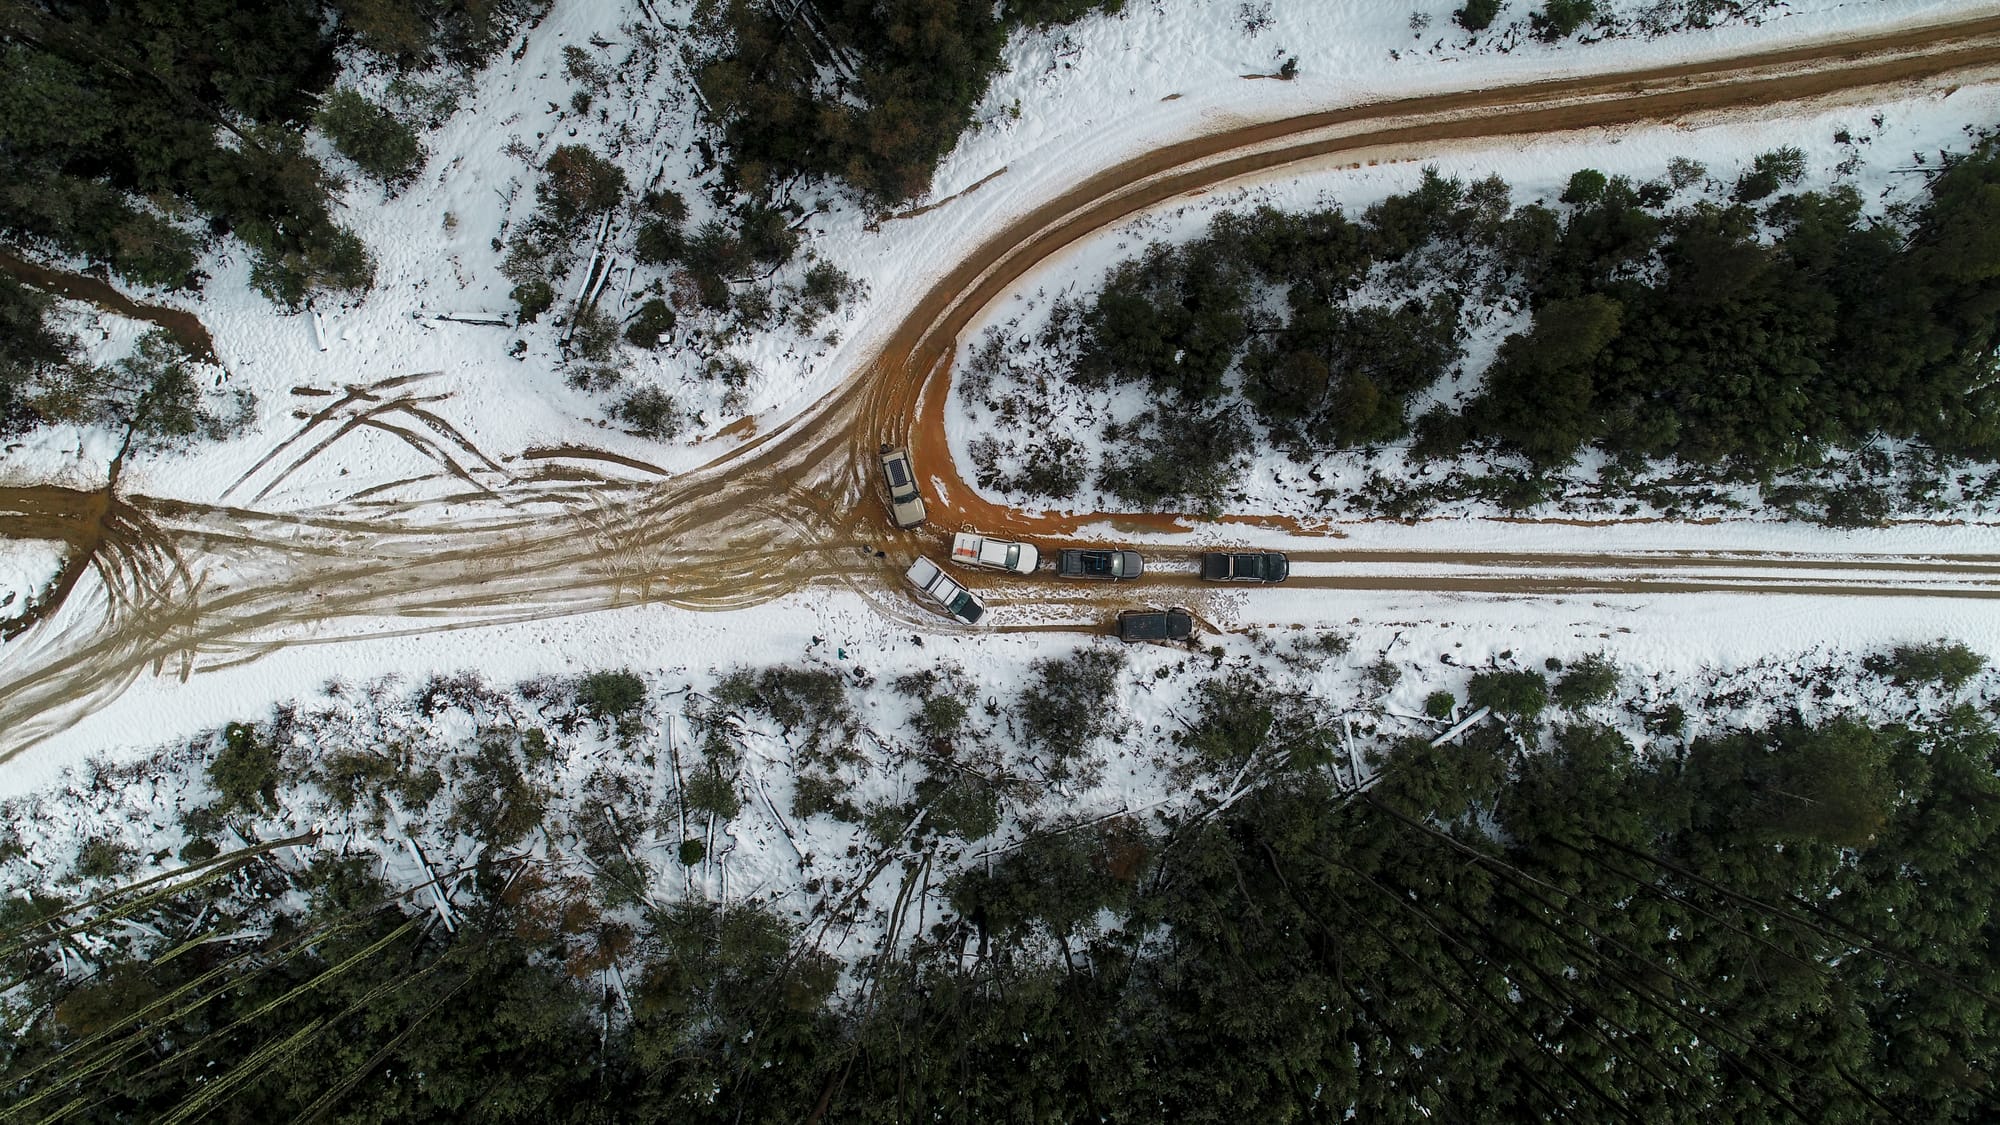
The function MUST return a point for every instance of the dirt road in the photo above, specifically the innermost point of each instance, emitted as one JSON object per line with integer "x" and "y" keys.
{"x": 920, "y": 353}
{"x": 183, "y": 587}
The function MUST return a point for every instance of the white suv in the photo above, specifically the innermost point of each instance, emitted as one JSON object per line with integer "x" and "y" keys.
{"x": 969, "y": 548}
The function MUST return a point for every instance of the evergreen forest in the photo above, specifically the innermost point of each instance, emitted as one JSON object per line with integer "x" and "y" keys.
{"x": 1785, "y": 921}
{"x": 136, "y": 133}
{"x": 138, "y": 137}
{"x": 1757, "y": 330}
{"x": 906, "y": 76}
{"x": 144, "y": 138}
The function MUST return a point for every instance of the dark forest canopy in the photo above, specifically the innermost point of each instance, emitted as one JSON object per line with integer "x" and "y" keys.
{"x": 873, "y": 94}
{"x": 1750, "y": 335}
{"x": 119, "y": 122}
{"x": 1792, "y": 921}
{"x": 136, "y": 135}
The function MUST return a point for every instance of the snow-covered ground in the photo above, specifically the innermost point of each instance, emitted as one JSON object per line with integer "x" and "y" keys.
{"x": 1664, "y": 632}
{"x": 27, "y": 567}
{"x": 839, "y": 873}
{"x": 1088, "y": 97}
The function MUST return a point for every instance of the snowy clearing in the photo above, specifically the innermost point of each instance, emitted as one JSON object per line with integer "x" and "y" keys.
{"x": 836, "y": 872}
{"x": 1089, "y": 97}
{"x": 27, "y": 567}
{"x": 1099, "y": 92}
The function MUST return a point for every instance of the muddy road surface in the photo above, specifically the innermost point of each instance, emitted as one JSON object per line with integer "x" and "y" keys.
{"x": 178, "y": 587}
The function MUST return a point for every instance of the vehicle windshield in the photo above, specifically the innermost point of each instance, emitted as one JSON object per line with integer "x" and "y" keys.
{"x": 1013, "y": 556}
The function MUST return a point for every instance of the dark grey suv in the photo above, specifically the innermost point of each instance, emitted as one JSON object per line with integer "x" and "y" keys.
{"x": 1136, "y": 625}
{"x": 1245, "y": 566}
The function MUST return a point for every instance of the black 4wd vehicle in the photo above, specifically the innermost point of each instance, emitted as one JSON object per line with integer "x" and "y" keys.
{"x": 1245, "y": 566}
{"x": 1136, "y": 625}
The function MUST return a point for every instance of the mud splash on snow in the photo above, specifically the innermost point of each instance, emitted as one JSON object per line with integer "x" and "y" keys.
{"x": 185, "y": 327}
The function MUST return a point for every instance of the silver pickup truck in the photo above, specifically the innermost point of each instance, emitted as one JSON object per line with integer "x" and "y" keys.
{"x": 906, "y": 504}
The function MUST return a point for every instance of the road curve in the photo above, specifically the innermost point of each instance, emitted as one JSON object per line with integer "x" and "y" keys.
{"x": 912, "y": 381}
{"x": 194, "y": 586}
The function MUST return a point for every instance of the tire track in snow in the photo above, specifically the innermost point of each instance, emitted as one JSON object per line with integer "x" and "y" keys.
{"x": 794, "y": 504}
